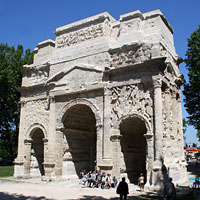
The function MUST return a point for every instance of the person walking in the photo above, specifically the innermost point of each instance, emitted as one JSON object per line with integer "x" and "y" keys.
{"x": 122, "y": 189}
{"x": 170, "y": 190}
{"x": 196, "y": 187}
{"x": 141, "y": 182}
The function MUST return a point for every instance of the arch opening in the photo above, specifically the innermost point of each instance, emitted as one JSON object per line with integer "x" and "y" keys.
{"x": 37, "y": 153}
{"x": 133, "y": 148}
{"x": 79, "y": 140}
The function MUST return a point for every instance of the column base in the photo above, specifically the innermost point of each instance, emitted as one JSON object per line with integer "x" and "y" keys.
{"x": 18, "y": 168}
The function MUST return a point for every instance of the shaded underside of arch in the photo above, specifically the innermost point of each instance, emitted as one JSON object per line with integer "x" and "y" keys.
{"x": 80, "y": 140}
{"x": 133, "y": 148}
{"x": 37, "y": 153}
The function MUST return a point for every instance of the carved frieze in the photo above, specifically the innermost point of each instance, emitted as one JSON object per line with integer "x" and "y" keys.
{"x": 76, "y": 37}
{"x": 132, "y": 54}
{"x": 130, "y": 99}
{"x": 36, "y": 73}
{"x": 36, "y": 113}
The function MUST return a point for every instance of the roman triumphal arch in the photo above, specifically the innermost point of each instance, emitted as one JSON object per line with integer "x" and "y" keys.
{"x": 104, "y": 95}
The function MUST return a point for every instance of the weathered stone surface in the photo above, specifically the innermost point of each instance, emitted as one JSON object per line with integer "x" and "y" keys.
{"x": 104, "y": 94}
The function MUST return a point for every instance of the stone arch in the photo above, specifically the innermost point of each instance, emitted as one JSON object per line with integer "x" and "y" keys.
{"x": 79, "y": 101}
{"x": 35, "y": 144}
{"x": 80, "y": 138}
{"x": 136, "y": 145}
{"x": 136, "y": 115}
{"x": 32, "y": 128}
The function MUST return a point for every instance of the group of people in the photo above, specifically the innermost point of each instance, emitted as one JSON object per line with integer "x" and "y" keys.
{"x": 97, "y": 179}
{"x": 102, "y": 180}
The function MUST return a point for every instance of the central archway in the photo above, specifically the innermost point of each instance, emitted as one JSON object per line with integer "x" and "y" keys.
{"x": 79, "y": 140}
{"x": 133, "y": 148}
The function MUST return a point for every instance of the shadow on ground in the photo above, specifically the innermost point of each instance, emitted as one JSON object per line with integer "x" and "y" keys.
{"x": 130, "y": 197}
{"x": 6, "y": 196}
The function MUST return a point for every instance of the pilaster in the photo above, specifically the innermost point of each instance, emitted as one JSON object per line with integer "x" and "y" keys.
{"x": 158, "y": 120}
{"x": 20, "y": 155}
{"x": 157, "y": 183}
{"x": 116, "y": 150}
{"x": 58, "y": 152}
{"x": 106, "y": 132}
{"x": 49, "y": 162}
{"x": 27, "y": 158}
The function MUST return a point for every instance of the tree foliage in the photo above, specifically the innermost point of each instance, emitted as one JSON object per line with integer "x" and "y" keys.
{"x": 185, "y": 123}
{"x": 11, "y": 63}
{"x": 192, "y": 88}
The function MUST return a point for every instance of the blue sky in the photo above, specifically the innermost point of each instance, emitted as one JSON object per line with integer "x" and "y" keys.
{"x": 29, "y": 22}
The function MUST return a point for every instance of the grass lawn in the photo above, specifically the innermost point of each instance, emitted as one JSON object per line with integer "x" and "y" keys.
{"x": 6, "y": 171}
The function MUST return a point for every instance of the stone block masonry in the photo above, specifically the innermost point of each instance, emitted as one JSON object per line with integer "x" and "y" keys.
{"x": 105, "y": 94}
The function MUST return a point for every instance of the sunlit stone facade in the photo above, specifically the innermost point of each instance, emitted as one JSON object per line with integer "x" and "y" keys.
{"x": 105, "y": 94}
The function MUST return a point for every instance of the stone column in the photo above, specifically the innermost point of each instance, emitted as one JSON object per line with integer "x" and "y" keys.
{"x": 18, "y": 169}
{"x": 45, "y": 142}
{"x": 149, "y": 158}
{"x": 167, "y": 110}
{"x": 158, "y": 120}
{"x": 173, "y": 134}
{"x": 174, "y": 114}
{"x": 27, "y": 158}
{"x": 106, "y": 127}
{"x": 168, "y": 126}
{"x": 183, "y": 165}
{"x": 58, "y": 153}
{"x": 49, "y": 157}
{"x": 99, "y": 132}
{"x": 157, "y": 182}
{"x": 180, "y": 127}
{"x": 116, "y": 151}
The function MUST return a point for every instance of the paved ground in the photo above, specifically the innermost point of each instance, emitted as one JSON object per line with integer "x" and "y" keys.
{"x": 34, "y": 189}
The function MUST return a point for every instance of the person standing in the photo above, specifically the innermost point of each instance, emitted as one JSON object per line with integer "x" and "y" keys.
{"x": 196, "y": 187}
{"x": 170, "y": 190}
{"x": 122, "y": 189}
{"x": 141, "y": 182}
{"x": 93, "y": 179}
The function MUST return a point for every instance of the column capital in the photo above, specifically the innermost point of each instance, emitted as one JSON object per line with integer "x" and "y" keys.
{"x": 174, "y": 94}
{"x": 115, "y": 138}
{"x": 52, "y": 99}
{"x": 107, "y": 91}
{"x": 99, "y": 126}
{"x": 28, "y": 141}
{"x": 157, "y": 83}
{"x": 148, "y": 136}
{"x": 167, "y": 91}
{"x": 115, "y": 135}
{"x": 22, "y": 103}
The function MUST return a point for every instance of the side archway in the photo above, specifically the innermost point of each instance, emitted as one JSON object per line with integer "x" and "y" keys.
{"x": 134, "y": 130}
{"x": 36, "y": 136}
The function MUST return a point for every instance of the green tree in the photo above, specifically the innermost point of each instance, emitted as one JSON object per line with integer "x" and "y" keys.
{"x": 185, "y": 123}
{"x": 194, "y": 145}
{"x": 11, "y": 63}
{"x": 198, "y": 134}
{"x": 192, "y": 88}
